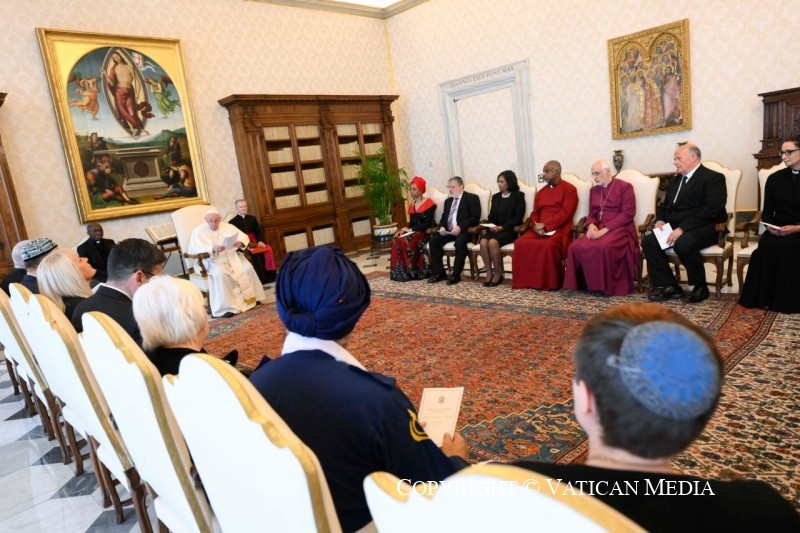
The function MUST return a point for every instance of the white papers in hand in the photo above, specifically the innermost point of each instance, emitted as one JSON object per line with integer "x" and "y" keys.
{"x": 439, "y": 410}
{"x": 489, "y": 225}
{"x": 662, "y": 234}
{"x": 231, "y": 241}
{"x": 773, "y": 226}
{"x": 549, "y": 233}
{"x": 406, "y": 234}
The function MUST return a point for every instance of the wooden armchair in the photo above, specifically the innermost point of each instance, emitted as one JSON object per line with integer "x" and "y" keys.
{"x": 753, "y": 225}
{"x": 723, "y": 250}
{"x": 645, "y": 189}
{"x": 185, "y": 220}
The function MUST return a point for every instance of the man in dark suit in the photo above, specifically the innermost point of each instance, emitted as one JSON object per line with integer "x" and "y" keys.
{"x": 96, "y": 250}
{"x": 131, "y": 263}
{"x": 466, "y": 212}
{"x": 263, "y": 262}
{"x": 693, "y": 204}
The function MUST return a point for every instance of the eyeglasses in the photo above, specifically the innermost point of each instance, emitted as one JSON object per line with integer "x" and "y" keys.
{"x": 788, "y": 152}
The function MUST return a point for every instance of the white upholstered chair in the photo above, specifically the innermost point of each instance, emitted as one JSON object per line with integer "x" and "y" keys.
{"x": 474, "y": 247}
{"x": 132, "y": 386}
{"x": 35, "y": 389}
{"x": 530, "y": 195}
{"x": 56, "y": 347}
{"x": 645, "y": 189}
{"x": 584, "y": 188}
{"x": 747, "y": 248}
{"x": 488, "y": 497}
{"x": 723, "y": 250}
{"x": 257, "y": 474}
{"x": 185, "y": 220}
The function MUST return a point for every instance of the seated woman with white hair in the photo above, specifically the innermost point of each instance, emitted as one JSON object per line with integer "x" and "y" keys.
{"x": 172, "y": 318}
{"x": 65, "y": 279}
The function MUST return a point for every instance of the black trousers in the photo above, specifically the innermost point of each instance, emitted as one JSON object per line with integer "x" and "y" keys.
{"x": 438, "y": 241}
{"x": 687, "y": 248}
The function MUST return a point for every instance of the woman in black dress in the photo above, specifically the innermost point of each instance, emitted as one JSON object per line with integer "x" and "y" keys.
{"x": 506, "y": 212}
{"x": 409, "y": 261}
{"x": 772, "y": 280}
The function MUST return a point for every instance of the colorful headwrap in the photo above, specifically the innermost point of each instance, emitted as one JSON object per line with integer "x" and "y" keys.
{"x": 420, "y": 183}
{"x": 669, "y": 369}
{"x": 320, "y": 293}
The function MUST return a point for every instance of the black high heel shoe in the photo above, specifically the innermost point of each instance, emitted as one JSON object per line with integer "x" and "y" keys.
{"x": 496, "y": 283}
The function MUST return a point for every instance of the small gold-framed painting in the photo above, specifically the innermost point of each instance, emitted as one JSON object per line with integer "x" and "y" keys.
{"x": 125, "y": 118}
{"x": 649, "y": 74}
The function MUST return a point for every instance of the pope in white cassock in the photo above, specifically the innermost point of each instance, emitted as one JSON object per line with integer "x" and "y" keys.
{"x": 233, "y": 284}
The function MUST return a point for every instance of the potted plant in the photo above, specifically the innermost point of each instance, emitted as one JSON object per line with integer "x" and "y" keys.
{"x": 383, "y": 184}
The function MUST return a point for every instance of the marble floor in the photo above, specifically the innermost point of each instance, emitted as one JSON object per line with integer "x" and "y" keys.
{"x": 40, "y": 494}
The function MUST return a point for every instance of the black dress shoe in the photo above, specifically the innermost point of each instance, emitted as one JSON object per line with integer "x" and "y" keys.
{"x": 656, "y": 294}
{"x": 436, "y": 278}
{"x": 699, "y": 293}
{"x": 672, "y": 292}
{"x": 487, "y": 284}
{"x": 496, "y": 283}
{"x": 453, "y": 280}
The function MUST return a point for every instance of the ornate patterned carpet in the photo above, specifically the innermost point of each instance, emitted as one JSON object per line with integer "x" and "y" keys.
{"x": 511, "y": 350}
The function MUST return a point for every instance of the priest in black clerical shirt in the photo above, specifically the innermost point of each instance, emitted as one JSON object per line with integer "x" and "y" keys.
{"x": 96, "y": 250}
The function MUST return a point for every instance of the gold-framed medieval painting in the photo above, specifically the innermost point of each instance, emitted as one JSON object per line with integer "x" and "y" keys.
{"x": 125, "y": 118}
{"x": 649, "y": 74}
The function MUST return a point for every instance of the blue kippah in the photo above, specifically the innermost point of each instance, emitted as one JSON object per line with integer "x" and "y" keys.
{"x": 669, "y": 369}
{"x": 320, "y": 293}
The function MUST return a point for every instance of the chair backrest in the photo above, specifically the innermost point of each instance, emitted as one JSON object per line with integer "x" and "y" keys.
{"x": 17, "y": 348}
{"x": 645, "y": 189}
{"x": 438, "y": 198}
{"x": 485, "y": 196}
{"x": 132, "y": 386}
{"x": 530, "y": 194}
{"x": 257, "y": 474}
{"x": 489, "y": 497}
{"x": 185, "y": 220}
{"x": 55, "y": 345}
{"x": 583, "y": 187}
{"x": 763, "y": 174}
{"x": 732, "y": 177}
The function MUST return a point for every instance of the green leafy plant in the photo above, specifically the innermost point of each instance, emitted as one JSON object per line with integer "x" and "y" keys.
{"x": 383, "y": 184}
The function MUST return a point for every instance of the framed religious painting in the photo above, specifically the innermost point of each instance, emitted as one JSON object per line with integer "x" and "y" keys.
{"x": 649, "y": 73}
{"x": 125, "y": 118}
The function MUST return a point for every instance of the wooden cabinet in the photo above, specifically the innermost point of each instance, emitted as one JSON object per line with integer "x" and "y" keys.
{"x": 12, "y": 229}
{"x": 781, "y": 121}
{"x": 298, "y": 158}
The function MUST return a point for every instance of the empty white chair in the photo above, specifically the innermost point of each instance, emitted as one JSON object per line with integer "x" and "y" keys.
{"x": 645, "y": 189}
{"x": 258, "y": 475}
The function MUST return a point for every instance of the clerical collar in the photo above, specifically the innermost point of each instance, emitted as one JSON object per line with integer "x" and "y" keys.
{"x": 795, "y": 171}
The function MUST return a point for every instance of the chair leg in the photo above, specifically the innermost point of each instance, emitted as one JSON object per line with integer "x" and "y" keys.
{"x": 27, "y": 395}
{"x": 730, "y": 273}
{"x": 44, "y": 416}
{"x": 54, "y": 409}
{"x": 139, "y": 497}
{"x": 76, "y": 451}
{"x": 720, "y": 266}
{"x": 12, "y": 374}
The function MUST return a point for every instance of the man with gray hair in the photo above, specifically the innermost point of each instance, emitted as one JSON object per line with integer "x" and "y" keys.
{"x": 233, "y": 284}
{"x": 462, "y": 210}
{"x": 16, "y": 275}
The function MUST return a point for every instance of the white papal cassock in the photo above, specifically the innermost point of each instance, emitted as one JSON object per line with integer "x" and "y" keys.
{"x": 233, "y": 284}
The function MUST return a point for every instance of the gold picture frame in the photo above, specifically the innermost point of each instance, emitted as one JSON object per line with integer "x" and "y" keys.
{"x": 125, "y": 117}
{"x": 649, "y": 74}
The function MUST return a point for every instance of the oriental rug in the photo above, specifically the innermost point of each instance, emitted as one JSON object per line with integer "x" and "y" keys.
{"x": 511, "y": 351}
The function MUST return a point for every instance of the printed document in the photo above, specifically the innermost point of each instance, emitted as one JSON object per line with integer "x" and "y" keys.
{"x": 439, "y": 410}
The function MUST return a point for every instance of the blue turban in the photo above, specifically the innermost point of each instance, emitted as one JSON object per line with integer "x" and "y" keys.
{"x": 320, "y": 293}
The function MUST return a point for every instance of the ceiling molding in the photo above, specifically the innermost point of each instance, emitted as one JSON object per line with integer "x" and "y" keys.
{"x": 349, "y": 8}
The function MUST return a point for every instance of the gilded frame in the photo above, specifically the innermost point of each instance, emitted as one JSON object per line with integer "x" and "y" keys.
{"x": 125, "y": 117}
{"x": 650, "y": 78}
